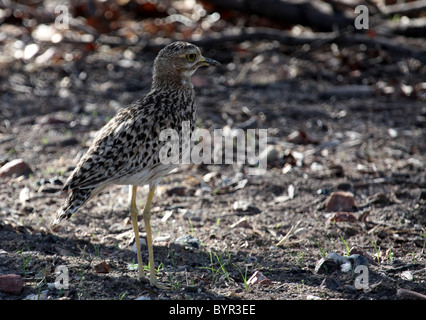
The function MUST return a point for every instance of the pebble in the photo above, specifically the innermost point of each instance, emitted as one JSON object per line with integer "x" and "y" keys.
{"x": 46, "y": 189}
{"x": 340, "y": 201}
{"x": 178, "y": 191}
{"x": 407, "y": 275}
{"x": 16, "y": 167}
{"x": 189, "y": 241}
{"x": 24, "y": 195}
{"x": 55, "y": 181}
{"x": 142, "y": 242}
{"x": 334, "y": 261}
{"x": 245, "y": 207}
{"x": 11, "y": 284}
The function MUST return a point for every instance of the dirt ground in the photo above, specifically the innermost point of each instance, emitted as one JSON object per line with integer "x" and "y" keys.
{"x": 322, "y": 138}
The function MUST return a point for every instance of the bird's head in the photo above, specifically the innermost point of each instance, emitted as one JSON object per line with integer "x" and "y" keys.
{"x": 178, "y": 61}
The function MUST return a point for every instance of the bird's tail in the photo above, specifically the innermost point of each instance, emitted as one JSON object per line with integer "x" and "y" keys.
{"x": 75, "y": 200}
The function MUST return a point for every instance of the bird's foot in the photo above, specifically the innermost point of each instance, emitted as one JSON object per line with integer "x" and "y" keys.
{"x": 154, "y": 283}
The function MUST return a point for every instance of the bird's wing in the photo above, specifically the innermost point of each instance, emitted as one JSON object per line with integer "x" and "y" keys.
{"x": 116, "y": 149}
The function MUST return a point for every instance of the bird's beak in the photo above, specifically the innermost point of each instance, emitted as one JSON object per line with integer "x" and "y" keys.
{"x": 209, "y": 62}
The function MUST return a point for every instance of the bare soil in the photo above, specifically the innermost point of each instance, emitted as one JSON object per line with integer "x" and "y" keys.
{"x": 370, "y": 143}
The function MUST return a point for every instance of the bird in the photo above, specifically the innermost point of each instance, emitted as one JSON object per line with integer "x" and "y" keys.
{"x": 127, "y": 150}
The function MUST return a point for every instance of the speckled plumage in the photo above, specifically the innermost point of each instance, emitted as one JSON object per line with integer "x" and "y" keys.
{"x": 127, "y": 149}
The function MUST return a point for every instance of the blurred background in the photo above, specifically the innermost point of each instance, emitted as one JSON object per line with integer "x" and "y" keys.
{"x": 340, "y": 86}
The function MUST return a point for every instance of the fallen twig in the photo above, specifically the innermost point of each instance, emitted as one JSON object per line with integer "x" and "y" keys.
{"x": 408, "y": 294}
{"x": 283, "y": 240}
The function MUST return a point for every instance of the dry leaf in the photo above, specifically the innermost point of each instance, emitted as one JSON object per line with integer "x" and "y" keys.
{"x": 259, "y": 278}
{"x": 102, "y": 267}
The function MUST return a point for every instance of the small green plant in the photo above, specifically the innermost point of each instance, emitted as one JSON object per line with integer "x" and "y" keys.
{"x": 160, "y": 267}
{"x": 323, "y": 253}
{"x": 221, "y": 270}
{"x": 347, "y": 246}
{"x": 174, "y": 285}
{"x": 378, "y": 252}
{"x": 26, "y": 259}
{"x": 132, "y": 265}
{"x": 244, "y": 276}
{"x": 38, "y": 292}
{"x": 302, "y": 286}
{"x": 97, "y": 248}
{"x": 122, "y": 295}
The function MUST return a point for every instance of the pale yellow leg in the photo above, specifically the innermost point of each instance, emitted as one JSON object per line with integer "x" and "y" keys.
{"x": 134, "y": 214}
{"x": 147, "y": 217}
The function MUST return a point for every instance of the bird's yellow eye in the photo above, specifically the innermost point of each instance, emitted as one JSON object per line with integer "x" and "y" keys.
{"x": 191, "y": 56}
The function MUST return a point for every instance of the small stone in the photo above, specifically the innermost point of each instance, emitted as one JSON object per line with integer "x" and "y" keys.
{"x": 11, "y": 284}
{"x": 56, "y": 181}
{"x": 325, "y": 265}
{"x": 16, "y": 167}
{"x": 334, "y": 261}
{"x": 179, "y": 191}
{"x": 24, "y": 195}
{"x": 359, "y": 251}
{"x": 245, "y": 207}
{"x": 340, "y": 201}
{"x": 46, "y": 189}
{"x": 142, "y": 242}
{"x": 188, "y": 241}
{"x": 407, "y": 275}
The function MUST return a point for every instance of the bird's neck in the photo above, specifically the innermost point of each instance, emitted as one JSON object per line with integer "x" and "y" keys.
{"x": 172, "y": 81}
{"x": 179, "y": 87}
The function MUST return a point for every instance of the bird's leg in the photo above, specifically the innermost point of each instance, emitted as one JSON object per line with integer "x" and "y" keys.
{"x": 134, "y": 214}
{"x": 147, "y": 217}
